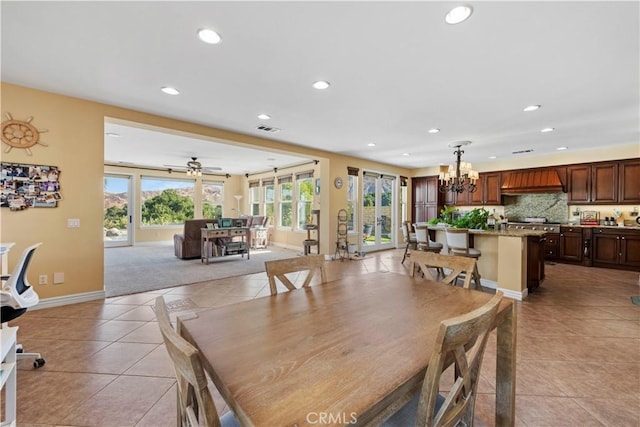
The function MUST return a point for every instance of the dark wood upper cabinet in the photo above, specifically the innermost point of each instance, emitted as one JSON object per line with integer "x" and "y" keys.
{"x": 579, "y": 183}
{"x": 595, "y": 183}
{"x": 604, "y": 183}
{"x": 487, "y": 191}
{"x": 629, "y": 181}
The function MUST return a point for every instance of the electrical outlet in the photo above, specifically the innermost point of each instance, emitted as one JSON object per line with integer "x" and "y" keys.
{"x": 58, "y": 278}
{"x": 43, "y": 279}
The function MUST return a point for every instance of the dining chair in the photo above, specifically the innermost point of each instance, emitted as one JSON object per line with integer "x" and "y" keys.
{"x": 195, "y": 404}
{"x": 458, "y": 243}
{"x": 424, "y": 243}
{"x": 461, "y": 341}
{"x": 409, "y": 239}
{"x": 281, "y": 267}
{"x": 456, "y": 265}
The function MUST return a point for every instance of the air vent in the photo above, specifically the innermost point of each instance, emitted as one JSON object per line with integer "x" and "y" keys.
{"x": 530, "y": 150}
{"x": 269, "y": 129}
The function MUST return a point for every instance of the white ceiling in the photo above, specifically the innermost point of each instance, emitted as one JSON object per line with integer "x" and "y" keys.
{"x": 396, "y": 70}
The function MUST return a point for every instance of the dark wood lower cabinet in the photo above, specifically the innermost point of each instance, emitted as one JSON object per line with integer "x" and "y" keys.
{"x": 535, "y": 261}
{"x": 615, "y": 248}
{"x": 571, "y": 246}
{"x": 551, "y": 246}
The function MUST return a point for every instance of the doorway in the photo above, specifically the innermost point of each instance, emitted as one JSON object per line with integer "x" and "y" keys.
{"x": 378, "y": 213}
{"x": 118, "y": 209}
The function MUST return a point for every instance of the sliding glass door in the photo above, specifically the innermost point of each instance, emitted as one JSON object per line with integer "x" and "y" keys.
{"x": 378, "y": 212}
{"x": 117, "y": 230}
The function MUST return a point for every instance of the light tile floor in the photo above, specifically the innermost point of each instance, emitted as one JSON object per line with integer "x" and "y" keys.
{"x": 578, "y": 352}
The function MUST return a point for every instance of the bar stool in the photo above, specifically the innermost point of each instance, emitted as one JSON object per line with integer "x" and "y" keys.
{"x": 458, "y": 242}
{"x": 424, "y": 244}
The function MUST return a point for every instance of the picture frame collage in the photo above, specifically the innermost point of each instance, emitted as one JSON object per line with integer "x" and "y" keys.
{"x": 25, "y": 186}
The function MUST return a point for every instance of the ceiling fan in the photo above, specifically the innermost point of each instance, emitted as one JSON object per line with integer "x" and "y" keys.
{"x": 195, "y": 168}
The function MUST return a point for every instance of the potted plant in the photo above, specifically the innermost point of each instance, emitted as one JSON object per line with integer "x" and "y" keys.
{"x": 475, "y": 219}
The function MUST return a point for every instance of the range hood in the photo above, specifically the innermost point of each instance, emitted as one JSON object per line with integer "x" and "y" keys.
{"x": 532, "y": 181}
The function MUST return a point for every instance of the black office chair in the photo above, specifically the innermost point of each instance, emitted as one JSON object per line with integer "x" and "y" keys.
{"x": 17, "y": 296}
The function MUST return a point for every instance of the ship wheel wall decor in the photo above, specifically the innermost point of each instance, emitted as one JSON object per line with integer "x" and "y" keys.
{"x": 20, "y": 134}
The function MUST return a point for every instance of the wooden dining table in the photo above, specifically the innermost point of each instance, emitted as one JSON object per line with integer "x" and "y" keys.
{"x": 338, "y": 353}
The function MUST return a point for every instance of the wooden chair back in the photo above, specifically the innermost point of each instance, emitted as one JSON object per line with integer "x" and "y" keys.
{"x": 458, "y": 238}
{"x": 462, "y": 340}
{"x": 457, "y": 265}
{"x": 408, "y": 234}
{"x": 279, "y": 268}
{"x": 195, "y": 404}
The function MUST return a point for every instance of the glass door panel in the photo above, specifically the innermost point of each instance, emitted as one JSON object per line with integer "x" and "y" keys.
{"x": 117, "y": 211}
{"x": 378, "y": 219}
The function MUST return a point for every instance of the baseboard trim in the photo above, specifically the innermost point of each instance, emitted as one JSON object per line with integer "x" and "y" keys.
{"x": 519, "y": 296}
{"x": 68, "y": 299}
{"x": 488, "y": 283}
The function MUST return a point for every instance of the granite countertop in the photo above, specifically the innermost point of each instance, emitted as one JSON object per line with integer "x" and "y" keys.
{"x": 509, "y": 233}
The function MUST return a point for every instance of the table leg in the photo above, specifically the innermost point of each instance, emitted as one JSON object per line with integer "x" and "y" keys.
{"x": 506, "y": 368}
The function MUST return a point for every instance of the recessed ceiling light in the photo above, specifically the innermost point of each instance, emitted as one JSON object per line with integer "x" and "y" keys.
{"x": 112, "y": 135}
{"x": 371, "y": 144}
{"x": 531, "y": 108}
{"x": 458, "y": 14}
{"x": 405, "y": 154}
{"x": 170, "y": 90}
{"x": 434, "y": 130}
{"x": 321, "y": 85}
{"x": 547, "y": 130}
{"x": 209, "y": 36}
{"x": 561, "y": 148}
{"x": 264, "y": 116}
{"x": 492, "y": 157}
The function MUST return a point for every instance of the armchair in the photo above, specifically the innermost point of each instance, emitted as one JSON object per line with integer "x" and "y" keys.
{"x": 187, "y": 244}
{"x": 17, "y": 296}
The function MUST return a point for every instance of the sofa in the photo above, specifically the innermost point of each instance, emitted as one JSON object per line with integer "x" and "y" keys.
{"x": 187, "y": 244}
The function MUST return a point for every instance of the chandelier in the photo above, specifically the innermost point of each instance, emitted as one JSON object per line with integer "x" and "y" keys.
{"x": 194, "y": 167}
{"x": 460, "y": 177}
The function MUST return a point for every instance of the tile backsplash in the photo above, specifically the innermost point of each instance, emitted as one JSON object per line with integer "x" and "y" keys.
{"x": 551, "y": 206}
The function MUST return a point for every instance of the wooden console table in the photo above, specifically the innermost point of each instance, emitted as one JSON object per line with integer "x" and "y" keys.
{"x": 211, "y": 234}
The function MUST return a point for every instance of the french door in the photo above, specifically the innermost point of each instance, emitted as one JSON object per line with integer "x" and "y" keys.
{"x": 378, "y": 211}
{"x": 118, "y": 208}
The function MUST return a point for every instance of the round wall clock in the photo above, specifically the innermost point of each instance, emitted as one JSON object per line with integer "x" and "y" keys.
{"x": 338, "y": 182}
{"x": 20, "y": 134}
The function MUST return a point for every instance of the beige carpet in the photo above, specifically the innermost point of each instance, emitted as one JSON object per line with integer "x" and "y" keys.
{"x": 149, "y": 267}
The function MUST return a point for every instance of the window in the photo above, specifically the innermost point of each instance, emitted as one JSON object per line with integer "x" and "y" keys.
{"x": 166, "y": 201}
{"x": 254, "y": 197}
{"x": 403, "y": 203}
{"x": 212, "y": 199}
{"x": 269, "y": 199}
{"x": 286, "y": 197}
{"x": 304, "y": 201}
{"x": 352, "y": 202}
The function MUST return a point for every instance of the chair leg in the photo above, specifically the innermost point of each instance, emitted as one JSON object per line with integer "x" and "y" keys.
{"x": 406, "y": 249}
{"x": 476, "y": 278}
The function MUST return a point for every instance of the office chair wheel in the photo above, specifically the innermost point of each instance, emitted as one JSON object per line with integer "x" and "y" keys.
{"x": 38, "y": 363}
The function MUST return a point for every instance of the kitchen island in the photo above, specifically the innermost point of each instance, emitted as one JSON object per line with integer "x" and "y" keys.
{"x": 512, "y": 261}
